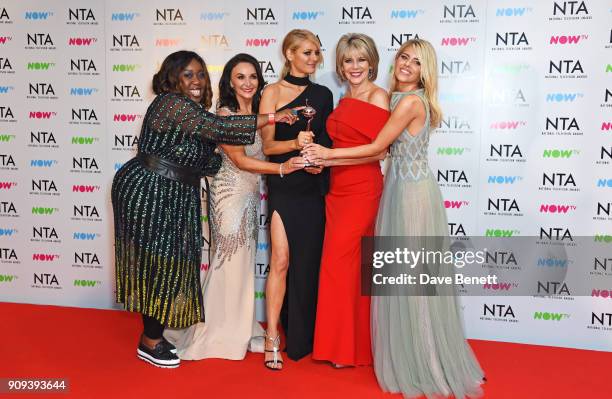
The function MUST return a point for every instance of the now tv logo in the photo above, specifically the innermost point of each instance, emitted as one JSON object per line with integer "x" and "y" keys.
{"x": 82, "y": 91}
{"x": 256, "y": 42}
{"x": 563, "y": 97}
{"x": 38, "y": 15}
{"x": 457, "y": 41}
{"x": 126, "y": 117}
{"x": 43, "y": 163}
{"x": 83, "y": 140}
{"x": 507, "y": 125}
{"x": 45, "y": 257}
{"x": 4, "y": 39}
{"x": 559, "y": 153}
{"x": 7, "y": 232}
{"x": 552, "y": 262}
{"x": 500, "y": 233}
{"x": 503, "y": 179}
{"x": 84, "y": 189}
{"x": 213, "y": 16}
{"x": 406, "y": 14}
{"x": 41, "y": 210}
{"x": 455, "y": 204}
{"x": 555, "y": 208}
{"x": 550, "y": 316}
{"x": 307, "y": 15}
{"x": 82, "y": 41}
{"x": 168, "y": 42}
{"x": 7, "y": 185}
{"x": 512, "y": 12}
{"x": 606, "y": 126}
{"x": 124, "y": 16}
{"x": 573, "y": 39}
{"x": 601, "y": 293}
{"x": 500, "y": 286}
{"x": 85, "y": 236}
{"x": 42, "y": 114}
{"x": 86, "y": 283}
{"x": 125, "y": 67}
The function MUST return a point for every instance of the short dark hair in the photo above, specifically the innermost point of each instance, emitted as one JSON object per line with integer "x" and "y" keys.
{"x": 167, "y": 78}
{"x": 227, "y": 95}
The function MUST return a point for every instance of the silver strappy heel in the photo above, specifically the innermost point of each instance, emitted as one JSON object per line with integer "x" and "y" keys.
{"x": 272, "y": 364}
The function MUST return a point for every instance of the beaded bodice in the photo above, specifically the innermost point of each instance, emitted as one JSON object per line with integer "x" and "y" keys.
{"x": 408, "y": 152}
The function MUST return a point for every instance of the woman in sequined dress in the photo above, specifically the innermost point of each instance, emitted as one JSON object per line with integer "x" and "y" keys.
{"x": 156, "y": 201}
{"x": 229, "y": 284}
{"x": 418, "y": 343}
{"x": 296, "y": 203}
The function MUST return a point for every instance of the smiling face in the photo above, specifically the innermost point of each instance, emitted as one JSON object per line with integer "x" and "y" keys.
{"x": 192, "y": 81}
{"x": 304, "y": 59}
{"x": 244, "y": 80}
{"x": 355, "y": 67}
{"x": 407, "y": 68}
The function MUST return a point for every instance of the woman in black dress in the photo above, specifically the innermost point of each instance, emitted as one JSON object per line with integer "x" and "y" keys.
{"x": 295, "y": 202}
{"x": 156, "y": 201}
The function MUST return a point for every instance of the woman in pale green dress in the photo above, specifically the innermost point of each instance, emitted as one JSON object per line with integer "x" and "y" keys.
{"x": 418, "y": 342}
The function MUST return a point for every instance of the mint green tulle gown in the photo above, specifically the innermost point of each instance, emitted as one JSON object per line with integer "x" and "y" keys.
{"x": 418, "y": 342}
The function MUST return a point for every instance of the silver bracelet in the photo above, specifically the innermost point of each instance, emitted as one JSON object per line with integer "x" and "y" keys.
{"x": 280, "y": 170}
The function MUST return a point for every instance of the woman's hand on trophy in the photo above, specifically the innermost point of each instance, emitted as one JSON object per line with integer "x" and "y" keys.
{"x": 316, "y": 153}
{"x": 304, "y": 138}
{"x": 293, "y": 164}
{"x": 314, "y": 170}
{"x": 289, "y": 115}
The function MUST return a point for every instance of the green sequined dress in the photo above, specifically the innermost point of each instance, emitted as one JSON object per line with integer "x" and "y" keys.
{"x": 158, "y": 234}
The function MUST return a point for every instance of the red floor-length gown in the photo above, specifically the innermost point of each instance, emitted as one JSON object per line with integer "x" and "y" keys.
{"x": 342, "y": 329}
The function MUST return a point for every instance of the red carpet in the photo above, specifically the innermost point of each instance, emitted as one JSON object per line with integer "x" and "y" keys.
{"x": 96, "y": 351}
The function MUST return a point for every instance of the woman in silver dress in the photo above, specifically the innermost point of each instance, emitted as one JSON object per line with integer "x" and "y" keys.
{"x": 418, "y": 343}
{"x": 229, "y": 284}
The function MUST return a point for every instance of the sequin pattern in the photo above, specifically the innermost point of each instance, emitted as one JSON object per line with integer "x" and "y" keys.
{"x": 158, "y": 235}
{"x": 235, "y": 206}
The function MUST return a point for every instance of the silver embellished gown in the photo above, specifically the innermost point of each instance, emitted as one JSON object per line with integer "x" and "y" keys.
{"x": 418, "y": 342}
{"x": 229, "y": 284}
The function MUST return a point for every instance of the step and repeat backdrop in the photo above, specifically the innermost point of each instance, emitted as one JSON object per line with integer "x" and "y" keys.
{"x": 524, "y": 148}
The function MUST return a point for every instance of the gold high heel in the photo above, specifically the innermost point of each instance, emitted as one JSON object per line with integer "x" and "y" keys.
{"x": 272, "y": 364}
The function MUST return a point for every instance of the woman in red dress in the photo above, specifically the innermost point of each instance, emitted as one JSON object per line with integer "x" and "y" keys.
{"x": 342, "y": 330}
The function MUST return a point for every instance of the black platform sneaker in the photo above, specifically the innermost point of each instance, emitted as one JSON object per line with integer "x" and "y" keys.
{"x": 169, "y": 346}
{"x": 159, "y": 356}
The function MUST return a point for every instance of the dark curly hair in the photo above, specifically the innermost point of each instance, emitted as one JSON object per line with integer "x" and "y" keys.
{"x": 167, "y": 79}
{"x": 227, "y": 95}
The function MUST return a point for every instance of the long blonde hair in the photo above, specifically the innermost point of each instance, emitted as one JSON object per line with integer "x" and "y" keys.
{"x": 429, "y": 76}
{"x": 292, "y": 41}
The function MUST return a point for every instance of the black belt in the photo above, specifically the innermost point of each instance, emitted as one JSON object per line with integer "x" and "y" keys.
{"x": 170, "y": 170}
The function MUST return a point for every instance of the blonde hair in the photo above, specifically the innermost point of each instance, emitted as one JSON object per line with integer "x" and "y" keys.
{"x": 429, "y": 75}
{"x": 292, "y": 41}
{"x": 361, "y": 43}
